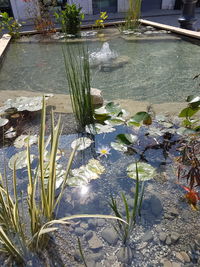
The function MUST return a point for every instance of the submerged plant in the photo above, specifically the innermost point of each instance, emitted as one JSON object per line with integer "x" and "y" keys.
{"x": 124, "y": 230}
{"x": 78, "y": 75}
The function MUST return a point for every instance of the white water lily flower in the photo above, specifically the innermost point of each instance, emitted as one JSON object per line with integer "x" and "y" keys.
{"x": 104, "y": 151}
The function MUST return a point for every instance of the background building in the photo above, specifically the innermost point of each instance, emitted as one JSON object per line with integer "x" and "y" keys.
{"x": 21, "y": 9}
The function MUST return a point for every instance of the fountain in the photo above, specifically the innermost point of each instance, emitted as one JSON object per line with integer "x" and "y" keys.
{"x": 106, "y": 59}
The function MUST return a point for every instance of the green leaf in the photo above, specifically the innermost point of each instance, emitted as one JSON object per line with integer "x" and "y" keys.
{"x": 139, "y": 117}
{"x": 188, "y": 112}
{"x": 126, "y": 139}
{"x": 113, "y": 109}
{"x": 145, "y": 171}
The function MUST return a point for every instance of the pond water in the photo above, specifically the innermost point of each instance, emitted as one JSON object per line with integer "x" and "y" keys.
{"x": 157, "y": 71}
{"x": 167, "y": 232}
{"x": 168, "y": 228}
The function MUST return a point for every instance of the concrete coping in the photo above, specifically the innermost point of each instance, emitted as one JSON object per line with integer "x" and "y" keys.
{"x": 4, "y": 41}
{"x": 189, "y": 33}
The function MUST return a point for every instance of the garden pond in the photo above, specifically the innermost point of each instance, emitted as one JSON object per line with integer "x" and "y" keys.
{"x": 157, "y": 71}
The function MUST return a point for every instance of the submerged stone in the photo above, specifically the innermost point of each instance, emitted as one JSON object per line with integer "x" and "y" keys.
{"x": 95, "y": 243}
{"x": 110, "y": 236}
{"x": 125, "y": 255}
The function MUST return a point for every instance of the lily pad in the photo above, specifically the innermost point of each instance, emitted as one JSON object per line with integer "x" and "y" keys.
{"x": 86, "y": 173}
{"x": 119, "y": 146}
{"x": 115, "y": 121}
{"x": 81, "y": 143}
{"x": 60, "y": 174}
{"x": 20, "y": 160}
{"x": 23, "y": 140}
{"x": 145, "y": 171}
{"x": 25, "y": 103}
{"x": 99, "y": 129}
{"x": 10, "y": 133}
{"x": 3, "y": 122}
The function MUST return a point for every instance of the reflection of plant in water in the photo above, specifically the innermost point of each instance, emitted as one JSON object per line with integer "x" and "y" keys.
{"x": 124, "y": 230}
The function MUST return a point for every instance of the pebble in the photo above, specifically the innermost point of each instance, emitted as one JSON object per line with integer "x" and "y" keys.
{"x": 100, "y": 222}
{"x": 84, "y": 225}
{"x": 95, "y": 257}
{"x": 173, "y": 211}
{"x": 92, "y": 223}
{"x": 125, "y": 255}
{"x": 168, "y": 240}
{"x": 89, "y": 235}
{"x": 176, "y": 264}
{"x": 110, "y": 236}
{"x": 147, "y": 236}
{"x": 179, "y": 256}
{"x": 174, "y": 237}
{"x": 162, "y": 236}
{"x": 79, "y": 231}
{"x": 185, "y": 256}
{"x": 167, "y": 264}
{"x": 198, "y": 239}
{"x": 95, "y": 243}
{"x": 156, "y": 206}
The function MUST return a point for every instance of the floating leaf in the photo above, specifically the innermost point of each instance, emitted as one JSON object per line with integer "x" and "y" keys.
{"x": 140, "y": 117}
{"x": 20, "y": 160}
{"x": 3, "y": 122}
{"x": 86, "y": 173}
{"x": 81, "y": 143}
{"x": 23, "y": 140}
{"x": 115, "y": 121}
{"x": 145, "y": 171}
{"x": 10, "y": 133}
{"x": 126, "y": 139}
{"x": 25, "y": 103}
{"x": 188, "y": 112}
{"x": 119, "y": 146}
{"x": 99, "y": 129}
{"x": 113, "y": 109}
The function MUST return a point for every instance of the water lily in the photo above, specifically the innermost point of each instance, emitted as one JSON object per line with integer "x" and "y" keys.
{"x": 104, "y": 151}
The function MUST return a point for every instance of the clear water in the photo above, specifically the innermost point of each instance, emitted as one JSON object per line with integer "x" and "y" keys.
{"x": 158, "y": 71}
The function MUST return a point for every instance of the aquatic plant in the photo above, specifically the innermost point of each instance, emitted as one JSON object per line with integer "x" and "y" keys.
{"x": 103, "y": 151}
{"x": 78, "y": 76}
{"x": 124, "y": 230}
{"x": 22, "y": 236}
{"x": 70, "y": 19}
{"x": 188, "y": 161}
{"x": 192, "y": 197}
{"x": 99, "y": 23}
{"x": 187, "y": 113}
{"x": 9, "y": 24}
